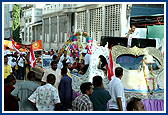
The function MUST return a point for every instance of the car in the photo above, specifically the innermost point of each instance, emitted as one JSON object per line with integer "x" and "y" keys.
{"x": 41, "y": 66}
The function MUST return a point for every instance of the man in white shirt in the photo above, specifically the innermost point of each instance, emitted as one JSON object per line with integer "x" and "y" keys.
{"x": 59, "y": 65}
{"x": 73, "y": 58}
{"x": 21, "y": 68}
{"x": 131, "y": 34}
{"x": 116, "y": 90}
{"x": 53, "y": 70}
{"x": 64, "y": 57}
{"x": 87, "y": 60}
{"x": 46, "y": 98}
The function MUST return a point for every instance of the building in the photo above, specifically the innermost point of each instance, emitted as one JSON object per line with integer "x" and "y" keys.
{"x": 95, "y": 19}
{"x": 31, "y": 25}
{"x": 52, "y": 22}
{"x": 7, "y": 21}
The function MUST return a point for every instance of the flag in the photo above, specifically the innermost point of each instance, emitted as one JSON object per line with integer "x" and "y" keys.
{"x": 16, "y": 47}
{"x": 110, "y": 65}
{"x": 32, "y": 60}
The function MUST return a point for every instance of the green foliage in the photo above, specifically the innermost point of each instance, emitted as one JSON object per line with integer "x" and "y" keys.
{"x": 16, "y": 22}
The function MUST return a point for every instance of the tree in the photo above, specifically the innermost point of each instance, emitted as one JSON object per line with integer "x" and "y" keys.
{"x": 16, "y": 23}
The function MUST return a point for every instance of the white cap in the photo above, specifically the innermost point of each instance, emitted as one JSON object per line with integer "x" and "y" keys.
{"x": 84, "y": 51}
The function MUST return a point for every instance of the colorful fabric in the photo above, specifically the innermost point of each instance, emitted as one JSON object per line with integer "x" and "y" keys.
{"x": 32, "y": 59}
{"x": 68, "y": 73}
{"x": 16, "y": 47}
{"x": 7, "y": 71}
{"x": 10, "y": 104}
{"x": 88, "y": 39}
{"x": 82, "y": 103}
{"x": 45, "y": 98}
{"x": 109, "y": 66}
{"x": 22, "y": 47}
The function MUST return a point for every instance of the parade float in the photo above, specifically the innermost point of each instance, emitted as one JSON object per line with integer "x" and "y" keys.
{"x": 143, "y": 74}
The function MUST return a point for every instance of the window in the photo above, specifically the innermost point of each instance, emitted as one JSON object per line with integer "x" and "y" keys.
{"x": 29, "y": 20}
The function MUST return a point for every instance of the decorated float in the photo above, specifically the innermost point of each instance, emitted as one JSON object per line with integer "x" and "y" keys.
{"x": 143, "y": 74}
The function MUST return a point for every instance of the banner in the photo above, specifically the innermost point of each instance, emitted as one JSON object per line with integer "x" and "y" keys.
{"x": 23, "y": 48}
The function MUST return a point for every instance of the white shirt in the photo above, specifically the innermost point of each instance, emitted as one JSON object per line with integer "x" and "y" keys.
{"x": 62, "y": 57}
{"x": 72, "y": 60}
{"x": 21, "y": 61}
{"x": 59, "y": 65}
{"x": 133, "y": 35}
{"x": 87, "y": 59}
{"x": 116, "y": 90}
{"x": 13, "y": 64}
{"x": 57, "y": 74}
{"x": 45, "y": 97}
{"x": 10, "y": 60}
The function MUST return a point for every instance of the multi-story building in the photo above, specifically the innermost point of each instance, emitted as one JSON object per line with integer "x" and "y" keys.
{"x": 32, "y": 25}
{"x": 8, "y": 21}
{"x": 52, "y": 23}
{"x": 95, "y": 19}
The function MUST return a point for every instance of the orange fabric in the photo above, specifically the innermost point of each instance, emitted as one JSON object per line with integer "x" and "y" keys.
{"x": 36, "y": 46}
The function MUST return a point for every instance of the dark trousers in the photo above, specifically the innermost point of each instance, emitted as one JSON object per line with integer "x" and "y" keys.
{"x": 21, "y": 73}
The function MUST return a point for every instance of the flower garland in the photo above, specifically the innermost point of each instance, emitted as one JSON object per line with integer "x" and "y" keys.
{"x": 151, "y": 92}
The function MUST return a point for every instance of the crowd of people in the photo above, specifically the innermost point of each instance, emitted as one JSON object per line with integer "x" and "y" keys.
{"x": 55, "y": 92}
{"x": 16, "y": 64}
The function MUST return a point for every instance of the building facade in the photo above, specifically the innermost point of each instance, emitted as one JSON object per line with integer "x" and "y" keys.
{"x": 95, "y": 19}
{"x": 32, "y": 25}
{"x": 8, "y": 21}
